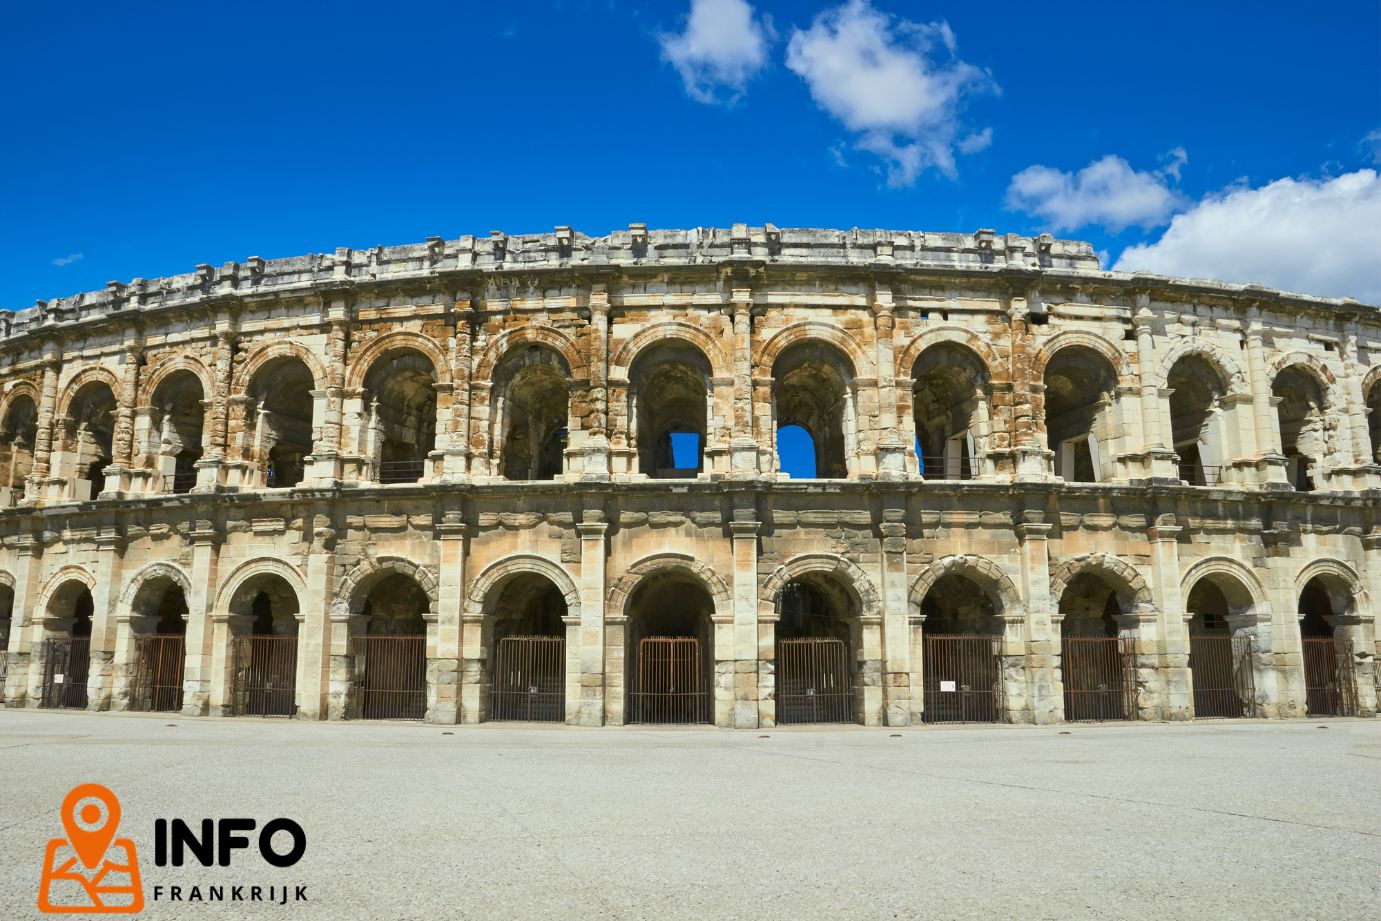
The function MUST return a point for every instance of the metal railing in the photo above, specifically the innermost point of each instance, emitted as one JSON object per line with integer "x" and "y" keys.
{"x": 813, "y": 683}
{"x": 66, "y": 665}
{"x": 961, "y": 680}
{"x": 1221, "y": 668}
{"x": 401, "y": 471}
{"x": 1196, "y": 474}
{"x": 158, "y": 664}
{"x": 1099, "y": 675}
{"x": 1330, "y": 679}
{"x": 671, "y": 684}
{"x": 263, "y": 678}
{"x": 180, "y": 482}
{"x": 933, "y": 468}
{"x": 389, "y": 678}
{"x": 530, "y": 679}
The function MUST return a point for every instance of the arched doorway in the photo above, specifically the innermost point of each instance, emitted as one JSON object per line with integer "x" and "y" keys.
{"x": 1096, "y": 663}
{"x": 1373, "y": 401}
{"x": 962, "y": 640}
{"x": 67, "y": 647}
{"x": 178, "y": 419}
{"x": 278, "y": 422}
{"x": 950, "y": 404}
{"x": 526, "y": 618}
{"x": 1195, "y": 391}
{"x": 1300, "y": 411}
{"x": 85, "y": 439}
{"x": 1330, "y": 678}
{"x": 263, "y": 648}
{"x": 671, "y": 649}
{"x": 17, "y": 432}
{"x": 531, "y": 413}
{"x": 1079, "y": 393}
{"x": 816, "y": 636}
{"x": 389, "y": 667}
{"x": 813, "y": 388}
{"x": 668, "y": 393}
{"x": 160, "y": 656}
{"x": 400, "y": 415}
{"x": 1220, "y": 657}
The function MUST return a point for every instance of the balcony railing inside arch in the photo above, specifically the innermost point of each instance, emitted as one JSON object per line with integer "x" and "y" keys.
{"x": 401, "y": 471}
{"x": 941, "y": 468}
{"x": 1196, "y": 474}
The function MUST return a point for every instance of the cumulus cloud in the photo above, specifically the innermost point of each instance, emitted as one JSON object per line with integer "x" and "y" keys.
{"x": 69, "y": 259}
{"x": 898, "y": 84}
{"x": 723, "y": 46}
{"x": 1107, "y": 192}
{"x": 1314, "y": 236}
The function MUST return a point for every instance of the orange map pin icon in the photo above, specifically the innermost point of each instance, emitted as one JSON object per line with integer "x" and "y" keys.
{"x": 91, "y": 814}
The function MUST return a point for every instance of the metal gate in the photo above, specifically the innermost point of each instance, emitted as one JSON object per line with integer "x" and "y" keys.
{"x": 1100, "y": 678}
{"x": 530, "y": 679}
{"x": 158, "y": 663}
{"x": 263, "y": 676}
{"x": 961, "y": 680}
{"x": 1221, "y": 667}
{"x": 389, "y": 677}
{"x": 670, "y": 686}
{"x": 66, "y": 664}
{"x": 1330, "y": 684}
{"x": 813, "y": 681}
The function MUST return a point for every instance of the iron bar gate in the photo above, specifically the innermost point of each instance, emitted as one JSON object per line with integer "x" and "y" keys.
{"x": 389, "y": 677}
{"x": 670, "y": 686}
{"x": 530, "y": 679}
{"x": 813, "y": 681}
{"x": 1221, "y": 667}
{"x": 263, "y": 676}
{"x": 158, "y": 664}
{"x": 1330, "y": 683}
{"x": 961, "y": 677}
{"x": 1100, "y": 678}
{"x": 66, "y": 665}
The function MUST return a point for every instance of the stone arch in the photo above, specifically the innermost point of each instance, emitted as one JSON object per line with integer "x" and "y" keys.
{"x": 854, "y": 579}
{"x": 166, "y": 369}
{"x": 1123, "y": 575}
{"x": 270, "y": 352}
{"x": 6, "y": 579}
{"x": 617, "y": 604}
{"x": 817, "y": 330}
{"x": 56, "y": 581}
{"x": 1229, "y": 568}
{"x": 1336, "y": 574}
{"x": 1122, "y": 369}
{"x": 1228, "y": 369}
{"x": 484, "y": 588}
{"x": 80, "y": 380}
{"x": 137, "y": 589}
{"x": 559, "y": 341}
{"x": 1311, "y": 364}
{"x": 955, "y": 335}
{"x": 670, "y": 331}
{"x": 19, "y": 389}
{"x": 1371, "y": 379}
{"x": 983, "y": 572}
{"x": 400, "y": 341}
{"x": 252, "y": 569}
{"x": 353, "y": 589}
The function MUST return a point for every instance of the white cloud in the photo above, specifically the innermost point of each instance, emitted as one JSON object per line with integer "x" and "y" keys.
{"x": 982, "y": 140}
{"x": 69, "y": 259}
{"x": 1314, "y": 236}
{"x": 1107, "y": 192}
{"x": 723, "y": 46}
{"x": 896, "y": 83}
{"x": 1371, "y": 146}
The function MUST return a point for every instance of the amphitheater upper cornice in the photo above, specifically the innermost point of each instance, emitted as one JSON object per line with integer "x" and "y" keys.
{"x": 1023, "y": 261}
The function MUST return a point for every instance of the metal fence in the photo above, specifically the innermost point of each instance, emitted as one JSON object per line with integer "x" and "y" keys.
{"x": 66, "y": 665}
{"x": 529, "y": 679}
{"x": 158, "y": 664}
{"x": 670, "y": 685}
{"x": 813, "y": 683}
{"x": 1221, "y": 667}
{"x": 180, "y": 482}
{"x": 961, "y": 679}
{"x": 1330, "y": 681}
{"x": 401, "y": 471}
{"x": 389, "y": 678}
{"x": 1099, "y": 676}
{"x": 933, "y": 468}
{"x": 263, "y": 675}
{"x": 1196, "y": 474}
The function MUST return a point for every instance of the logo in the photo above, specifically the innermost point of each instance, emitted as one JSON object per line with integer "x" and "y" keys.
{"x": 90, "y": 871}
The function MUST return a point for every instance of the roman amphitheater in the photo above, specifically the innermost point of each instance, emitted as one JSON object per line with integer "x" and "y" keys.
{"x": 538, "y": 478}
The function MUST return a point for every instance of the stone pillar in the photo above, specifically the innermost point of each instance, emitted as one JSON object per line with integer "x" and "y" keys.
{"x": 1175, "y": 682}
{"x": 1278, "y": 578}
{"x": 1031, "y": 459}
{"x": 28, "y": 562}
{"x": 325, "y": 467}
{"x": 445, "y": 703}
{"x": 871, "y": 665}
{"x": 764, "y": 432}
{"x": 317, "y": 674}
{"x": 196, "y": 683}
{"x": 900, "y": 708}
{"x": 747, "y": 695}
{"x": 455, "y": 466}
{"x": 100, "y": 683}
{"x": 1270, "y": 462}
{"x": 213, "y": 456}
{"x": 117, "y": 475}
{"x": 891, "y": 449}
{"x": 744, "y": 446}
{"x": 1370, "y": 628}
{"x": 601, "y": 696}
{"x": 224, "y": 628}
{"x": 1360, "y": 470}
{"x": 1160, "y": 462}
{"x": 594, "y": 462}
{"x": 1044, "y": 682}
{"x": 43, "y": 431}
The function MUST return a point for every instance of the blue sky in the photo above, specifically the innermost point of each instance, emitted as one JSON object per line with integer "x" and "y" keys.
{"x": 144, "y": 139}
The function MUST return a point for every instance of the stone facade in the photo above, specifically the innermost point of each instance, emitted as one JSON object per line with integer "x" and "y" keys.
{"x": 475, "y": 437}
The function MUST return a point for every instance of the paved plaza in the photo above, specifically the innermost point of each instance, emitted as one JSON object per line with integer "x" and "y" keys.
{"x": 1207, "y": 820}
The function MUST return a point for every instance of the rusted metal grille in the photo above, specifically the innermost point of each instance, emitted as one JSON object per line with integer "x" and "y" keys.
{"x": 530, "y": 679}
{"x": 390, "y": 677}
{"x": 813, "y": 681}
{"x": 1222, "y": 671}
{"x": 671, "y": 682}
{"x": 961, "y": 680}
{"x": 1330, "y": 684}
{"x": 158, "y": 663}
{"x": 263, "y": 677}
{"x": 1100, "y": 678}
{"x": 1197, "y": 474}
{"x": 66, "y": 664}
{"x": 401, "y": 471}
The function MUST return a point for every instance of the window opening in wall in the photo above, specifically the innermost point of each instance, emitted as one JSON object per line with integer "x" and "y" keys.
{"x": 813, "y": 388}
{"x": 1301, "y": 413}
{"x": 531, "y": 413}
{"x": 669, "y": 409}
{"x": 950, "y": 410}
{"x": 400, "y": 398}
{"x": 796, "y": 452}
{"x": 1079, "y": 385}
{"x": 278, "y": 436}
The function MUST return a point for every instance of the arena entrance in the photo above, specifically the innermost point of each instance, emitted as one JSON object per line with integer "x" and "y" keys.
{"x": 1220, "y": 663}
{"x": 814, "y": 666}
{"x": 67, "y": 658}
{"x": 962, "y": 674}
{"x": 263, "y": 678}
{"x": 671, "y": 640}
{"x": 529, "y": 671}
{"x": 1330, "y": 683}
{"x": 389, "y": 663}
{"x": 159, "y": 658}
{"x": 1097, "y": 665}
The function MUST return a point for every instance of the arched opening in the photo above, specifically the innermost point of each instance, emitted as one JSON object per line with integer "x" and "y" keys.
{"x": 1079, "y": 388}
{"x": 796, "y": 453}
{"x": 1195, "y": 392}
{"x": 1300, "y": 410}
{"x": 67, "y": 646}
{"x": 816, "y": 634}
{"x": 263, "y": 645}
{"x": 962, "y": 638}
{"x": 669, "y": 393}
{"x": 85, "y": 439}
{"x": 813, "y": 388}
{"x": 1373, "y": 398}
{"x": 17, "y": 431}
{"x": 670, "y": 649}
{"x": 278, "y": 421}
{"x": 529, "y": 650}
{"x": 161, "y": 655}
{"x": 390, "y": 660}
{"x": 1095, "y": 662}
{"x": 178, "y": 418}
{"x": 6, "y": 622}
{"x": 1330, "y": 678}
{"x": 1220, "y": 652}
{"x": 532, "y": 413}
{"x": 950, "y": 403}
{"x": 400, "y": 415}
